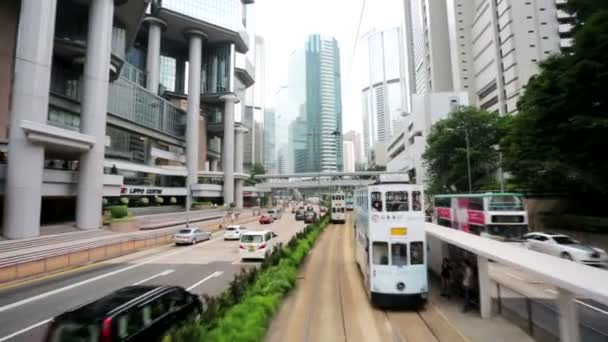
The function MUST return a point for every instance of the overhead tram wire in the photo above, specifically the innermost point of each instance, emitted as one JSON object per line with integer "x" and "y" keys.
{"x": 352, "y": 57}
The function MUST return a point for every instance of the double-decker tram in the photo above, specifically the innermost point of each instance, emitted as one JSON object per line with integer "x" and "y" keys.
{"x": 338, "y": 207}
{"x": 350, "y": 202}
{"x": 500, "y": 216}
{"x": 390, "y": 241}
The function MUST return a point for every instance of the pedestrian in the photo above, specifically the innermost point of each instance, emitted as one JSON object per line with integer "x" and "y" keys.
{"x": 467, "y": 284}
{"x": 446, "y": 276}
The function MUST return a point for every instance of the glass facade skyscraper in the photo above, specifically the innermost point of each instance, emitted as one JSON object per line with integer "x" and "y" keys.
{"x": 323, "y": 104}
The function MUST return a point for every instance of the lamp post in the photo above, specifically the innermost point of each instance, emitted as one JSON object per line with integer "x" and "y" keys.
{"x": 501, "y": 175}
{"x": 466, "y": 137}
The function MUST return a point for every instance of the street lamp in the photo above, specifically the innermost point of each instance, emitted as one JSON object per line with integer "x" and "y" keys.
{"x": 466, "y": 137}
{"x": 501, "y": 175}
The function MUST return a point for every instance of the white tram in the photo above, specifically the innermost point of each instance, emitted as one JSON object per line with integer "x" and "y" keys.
{"x": 390, "y": 244}
{"x": 338, "y": 207}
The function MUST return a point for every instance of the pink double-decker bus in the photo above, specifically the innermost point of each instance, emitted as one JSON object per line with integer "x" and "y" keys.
{"x": 500, "y": 216}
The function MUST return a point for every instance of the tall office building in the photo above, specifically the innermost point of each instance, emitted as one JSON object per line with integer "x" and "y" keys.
{"x": 355, "y": 137}
{"x": 297, "y": 145}
{"x": 270, "y": 154}
{"x": 253, "y": 116}
{"x": 496, "y": 47}
{"x": 384, "y": 85}
{"x": 349, "y": 156}
{"x": 487, "y": 48}
{"x": 323, "y": 104}
{"x": 431, "y": 47}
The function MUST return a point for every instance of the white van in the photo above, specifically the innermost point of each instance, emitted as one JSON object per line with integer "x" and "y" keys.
{"x": 256, "y": 244}
{"x": 275, "y": 213}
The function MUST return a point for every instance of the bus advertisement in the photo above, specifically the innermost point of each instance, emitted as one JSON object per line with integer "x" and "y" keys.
{"x": 500, "y": 216}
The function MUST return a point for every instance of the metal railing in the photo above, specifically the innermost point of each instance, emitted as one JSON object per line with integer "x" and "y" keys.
{"x": 127, "y": 99}
{"x": 133, "y": 74}
{"x": 539, "y": 317}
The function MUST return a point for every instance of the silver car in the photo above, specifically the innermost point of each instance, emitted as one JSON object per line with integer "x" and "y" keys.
{"x": 190, "y": 236}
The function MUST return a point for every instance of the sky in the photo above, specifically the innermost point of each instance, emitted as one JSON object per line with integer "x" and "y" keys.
{"x": 285, "y": 25}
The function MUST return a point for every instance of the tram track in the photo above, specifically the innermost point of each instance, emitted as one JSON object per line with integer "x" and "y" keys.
{"x": 330, "y": 302}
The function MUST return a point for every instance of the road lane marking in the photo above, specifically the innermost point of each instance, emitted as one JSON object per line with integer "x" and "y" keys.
{"x": 161, "y": 274}
{"x": 88, "y": 281}
{"x": 24, "y": 330}
{"x": 589, "y": 306}
{"x": 212, "y": 275}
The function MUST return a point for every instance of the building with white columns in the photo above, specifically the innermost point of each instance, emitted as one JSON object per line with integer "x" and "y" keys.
{"x": 108, "y": 99}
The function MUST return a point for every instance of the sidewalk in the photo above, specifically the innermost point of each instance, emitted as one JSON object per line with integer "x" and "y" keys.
{"x": 26, "y": 258}
{"x": 495, "y": 329}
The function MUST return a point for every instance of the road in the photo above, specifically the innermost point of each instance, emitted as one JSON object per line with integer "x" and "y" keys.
{"x": 330, "y": 303}
{"x": 205, "y": 268}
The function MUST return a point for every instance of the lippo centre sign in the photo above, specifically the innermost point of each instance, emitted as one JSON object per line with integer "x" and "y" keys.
{"x": 151, "y": 191}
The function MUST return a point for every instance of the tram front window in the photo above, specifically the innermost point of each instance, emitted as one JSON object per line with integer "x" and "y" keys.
{"x": 399, "y": 254}
{"x": 376, "y": 199}
{"x": 380, "y": 253}
{"x": 397, "y": 201}
{"x": 416, "y": 202}
{"x": 417, "y": 252}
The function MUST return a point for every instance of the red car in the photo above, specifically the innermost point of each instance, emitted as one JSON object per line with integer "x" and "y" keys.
{"x": 266, "y": 219}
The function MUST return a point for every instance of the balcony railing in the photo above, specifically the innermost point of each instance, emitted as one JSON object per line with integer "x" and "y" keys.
{"x": 126, "y": 100}
{"x": 132, "y": 102}
{"x": 133, "y": 74}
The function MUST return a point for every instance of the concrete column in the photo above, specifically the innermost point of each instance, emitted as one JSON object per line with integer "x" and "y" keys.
{"x": 485, "y": 287}
{"x": 195, "y": 38}
{"x": 30, "y": 101}
{"x": 238, "y": 167}
{"x": 94, "y": 106}
{"x": 213, "y": 164}
{"x": 568, "y": 317}
{"x": 228, "y": 148}
{"x": 155, "y": 26}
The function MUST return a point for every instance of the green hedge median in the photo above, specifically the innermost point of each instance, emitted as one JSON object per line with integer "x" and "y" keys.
{"x": 243, "y": 312}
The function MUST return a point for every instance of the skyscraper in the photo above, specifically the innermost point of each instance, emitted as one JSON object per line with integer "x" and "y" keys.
{"x": 253, "y": 116}
{"x": 323, "y": 104}
{"x": 385, "y": 90}
{"x": 270, "y": 155}
{"x": 349, "y": 156}
{"x": 355, "y": 137}
{"x": 428, "y": 21}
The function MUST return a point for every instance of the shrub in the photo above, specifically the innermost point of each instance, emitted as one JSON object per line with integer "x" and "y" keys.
{"x": 160, "y": 200}
{"x": 232, "y": 205}
{"x": 244, "y": 310}
{"x": 119, "y": 211}
{"x": 124, "y": 200}
{"x": 173, "y": 200}
{"x": 104, "y": 202}
{"x": 144, "y": 201}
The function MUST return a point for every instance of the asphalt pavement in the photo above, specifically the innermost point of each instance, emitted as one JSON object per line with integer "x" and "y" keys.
{"x": 205, "y": 268}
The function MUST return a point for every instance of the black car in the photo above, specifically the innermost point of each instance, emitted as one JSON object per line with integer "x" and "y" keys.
{"x": 134, "y": 313}
{"x": 300, "y": 215}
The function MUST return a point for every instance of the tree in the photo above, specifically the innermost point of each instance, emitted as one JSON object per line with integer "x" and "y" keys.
{"x": 557, "y": 141}
{"x": 446, "y": 153}
{"x": 256, "y": 169}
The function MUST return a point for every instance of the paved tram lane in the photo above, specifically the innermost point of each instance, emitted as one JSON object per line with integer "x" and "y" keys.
{"x": 207, "y": 267}
{"x": 331, "y": 304}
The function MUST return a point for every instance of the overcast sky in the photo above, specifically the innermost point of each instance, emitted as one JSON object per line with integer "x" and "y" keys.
{"x": 285, "y": 24}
